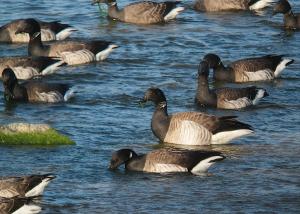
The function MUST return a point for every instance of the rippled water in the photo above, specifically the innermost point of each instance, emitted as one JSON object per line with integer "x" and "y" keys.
{"x": 261, "y": 173}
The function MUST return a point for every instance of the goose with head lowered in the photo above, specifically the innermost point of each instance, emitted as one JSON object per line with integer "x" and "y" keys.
{"x": 18, "y": 205}
{"x": 291, "y": 20}
{"x": 225, "y": 98}
{"x": 34, "y": 90}
{"x": 145, "y": 12}
{"x": 71, "y": 52}
{"x": 166, "y": 160}
{"x": 192, "y": 128}
{"x": 49, "y": 31}
{"x": 262, "y": 68}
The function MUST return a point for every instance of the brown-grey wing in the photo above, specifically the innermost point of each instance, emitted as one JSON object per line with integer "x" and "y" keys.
{"x": 36, "y": 86}
{"x": 56, "y": 48}
{"x": 10, "y": 187}
{"x": 255, "y": 64}
{"x": 234, "y": 93}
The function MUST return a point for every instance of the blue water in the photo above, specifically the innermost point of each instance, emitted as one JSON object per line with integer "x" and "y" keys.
{"x": 261, "y": 173}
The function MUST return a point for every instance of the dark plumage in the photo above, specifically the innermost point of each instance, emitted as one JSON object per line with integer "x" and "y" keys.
{"x": 18, "y": 205}
{"x": 291, "y": 20}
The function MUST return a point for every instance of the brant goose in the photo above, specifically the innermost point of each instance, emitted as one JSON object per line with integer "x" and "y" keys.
{"x": 225, "y": 98}
{"x": 34, "y": 91}
{"x": 290, "y": 19}
{"x": 18, "y": 205}
{"x": 250, "y": 69}
{"x": 72, "y": 52}
{"x": 192, "y": 128}
{"x": 145, "y": 12}
{"x": 50, "y": 31}
{"x": 166, "y": 160}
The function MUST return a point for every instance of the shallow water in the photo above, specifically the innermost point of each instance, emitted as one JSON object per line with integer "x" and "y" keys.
{"x": 261, "y": 173}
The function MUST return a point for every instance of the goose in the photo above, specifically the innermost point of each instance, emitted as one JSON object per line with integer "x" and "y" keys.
{"x": 33, "y": 90}
{"x": 223, "y": 5}
{"x": 71, "y": 52}
{"x": 291, "y": 20}
{"x": 166, "y": 160}
{"x": 225, "y": 98}
{"x": 145, "y": 12}
{"x": 18, "y": 205}
{"x": 262, "y": 68}
{"x": 49, "y": 30}
{"x": 192, "y": 128}
{"x": 24, "y": 186}
{"x": 26, "y": 67}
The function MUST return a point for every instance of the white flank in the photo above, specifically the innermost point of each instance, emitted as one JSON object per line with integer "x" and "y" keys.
{"x": 102, "y": 55}
{"x": 77, "y": 57}
{"x": 226, "y": 137}
{"x": 69, "y": 94}
{"x": 259, "y": 75}
{"x": 25, "y": 73}
{"x": 161, "y": 168}
{"x": 50, "y": 97}
{"x": 261, "y": 4}
{"x": 203, "y": 165}
{"x": 65, "y": 33}
{"x": 173, "y": 13}
{"x": 28, "y": 209}
{"x": 52, "y": 68}
{"x": 259, "y": 96}
{"x": 39, "y": 189}
{"x": 237, "y": 104}
{"x": 48, "y": 35}
{"x": 281, "y": 67}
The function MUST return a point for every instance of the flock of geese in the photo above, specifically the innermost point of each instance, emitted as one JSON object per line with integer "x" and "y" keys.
{"x": 187, "y": 128}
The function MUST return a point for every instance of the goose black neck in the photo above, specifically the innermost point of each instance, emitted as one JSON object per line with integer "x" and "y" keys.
{"x": 35, "y": 44}
{"x": 203, "y": 86}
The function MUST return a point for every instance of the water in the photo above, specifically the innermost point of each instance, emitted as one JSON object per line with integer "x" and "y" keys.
{"x": 261, "y": 173}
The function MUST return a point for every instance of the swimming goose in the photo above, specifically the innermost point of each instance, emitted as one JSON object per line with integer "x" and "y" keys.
{"x": 291, "y": 20}
{"x": 166, "y": 160}
{"x": 192, "y": 128}
{"x": 50, "y": 31}
{"x": 33, "y": 90}
{"x": 262, "y": 68}
{"x": 223, "y": 5}
{"x": 225, "y": 98}
{"x": 25, "y": 186}
{"x": 26, "y": 67}
{"x": 71, "y": 52}
{"x": 145, "y": 12}
{"x": 18, "y": 205}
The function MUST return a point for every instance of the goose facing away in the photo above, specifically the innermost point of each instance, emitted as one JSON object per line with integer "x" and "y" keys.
{"x": 71, "y": 52}
{"x": 34, "y": 91}
{"x": 225, "y": 98}
{"x": 291, "y": 20}
{"x": 18, "y": 205}
{"x": 223, "y": 5}
{"x": 28, "y": 67}
{"x": 145, "y": 12}
{"x": 49, "y": 31}
{"x": 262, "y": 68}
{"x": 25, "y": 186}
{"x": 166, "y": 160}
{"x": 192, "y": 128}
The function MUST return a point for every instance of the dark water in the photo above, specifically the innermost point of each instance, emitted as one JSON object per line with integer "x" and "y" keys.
{"x": 261, "y": 173}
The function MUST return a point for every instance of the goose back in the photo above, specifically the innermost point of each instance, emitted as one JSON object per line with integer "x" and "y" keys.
{"x": 219, "y": 5}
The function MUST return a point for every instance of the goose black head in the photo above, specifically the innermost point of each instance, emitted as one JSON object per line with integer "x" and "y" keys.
{"x": 9, "y": 81}
{"x": 120, "y": 157}
{"x": 213, "y": 60}
{"x": 203, "y": 69}
{"x": 282, "y": 6}
{"x": 155, "y": 95}
{"x": 30, "y": 26}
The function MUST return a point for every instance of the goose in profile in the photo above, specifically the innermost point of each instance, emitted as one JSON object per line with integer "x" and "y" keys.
{"x": 26, "y": 67}
{"x": 71, "y": 52}
{"x": 225, "y": 98}
{"x": 49, "y": 31}
{"x": 262, "y": 68}
{"x": 18, "y": 205}
{"x": 192, "y": 128}
{"x": 145, "y": 12}
{"x": 34, "y": 90}
{"x": 291, "y": 20}
{"x": 24, "y": 186}
{"x": 166, "y": 160}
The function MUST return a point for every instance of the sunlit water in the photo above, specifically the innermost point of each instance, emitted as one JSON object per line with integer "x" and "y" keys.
{"x": 261, "y": 173}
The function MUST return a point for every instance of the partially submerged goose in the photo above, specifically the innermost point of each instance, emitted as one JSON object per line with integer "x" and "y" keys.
{"x": 291, "y": 20}
{"x": 166, "y": 160}
{"x": 49, "y": 31}
{"x": 225, "y": 98}
{"x": 26, "y": 67}
{"x": 262, "y": 68}
{"x": 33, "y": 90}
{"x": 192, "y": 128}
{"x": 223, "y": 5}
{"x": 71, "y": 52}
{"x": 145, "y": 12}
{"x": 25, "y": 186}
{"x": 18, "y": 205}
